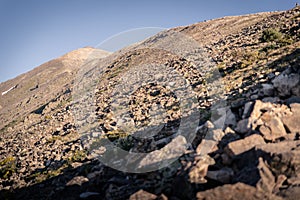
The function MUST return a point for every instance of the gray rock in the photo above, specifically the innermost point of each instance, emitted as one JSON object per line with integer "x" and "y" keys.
{"x": 296, "y": 90}
{"x": 223, "y": 175}
{"x": 238, "y": 103}
{"x": 243, "y": 126}
{"x": 271, "y": 99}
{"x": 254, "y": 97}
{"x": 271, "y": 75}
{"x": 247, "y": 109}
{"x": 286, "y": 84}
{"x": 88, "y": 194}
{"x": 230, "y": 118}
{"x": 267, "y": 90}
{"x": 226, "y": 160}
{"x": 93, "y": 175}
{"x": 293, "y": 99}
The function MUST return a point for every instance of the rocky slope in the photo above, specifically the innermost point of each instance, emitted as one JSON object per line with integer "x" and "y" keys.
{"x": 242, "y": 71}
{"x": 39, "y": 86}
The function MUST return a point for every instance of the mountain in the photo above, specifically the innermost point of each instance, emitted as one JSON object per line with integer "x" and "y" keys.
{"x": 39, "y": 86}
{"x": 204, "y": 111}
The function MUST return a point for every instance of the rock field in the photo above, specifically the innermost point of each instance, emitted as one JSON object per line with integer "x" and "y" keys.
{"x": 245, "y": 81}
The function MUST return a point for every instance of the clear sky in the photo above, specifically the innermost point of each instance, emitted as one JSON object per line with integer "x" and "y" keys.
{"x": 35, "y": 31}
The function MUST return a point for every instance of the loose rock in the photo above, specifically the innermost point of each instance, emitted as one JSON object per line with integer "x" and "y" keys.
{"x": 240, "y": 146}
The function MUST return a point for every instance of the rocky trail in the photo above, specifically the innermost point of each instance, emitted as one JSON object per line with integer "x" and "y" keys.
{"x": 244, "y": 78}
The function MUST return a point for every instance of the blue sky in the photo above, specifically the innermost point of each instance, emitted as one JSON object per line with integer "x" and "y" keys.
{"x": 35, "y": 31}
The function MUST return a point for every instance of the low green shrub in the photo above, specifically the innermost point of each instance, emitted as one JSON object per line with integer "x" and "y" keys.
{"x": 275, "y": 38}
{"x": 7, "y": 167}
{"x": 271, "y": 35}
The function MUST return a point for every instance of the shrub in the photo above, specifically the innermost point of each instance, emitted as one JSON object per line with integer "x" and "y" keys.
{"x": 125, "y": 143}
{"x": 7, "y": 167}
{"x": 78, "y": 156}
{"x": 271, "y": 35}
{"x": 275, "y": 37}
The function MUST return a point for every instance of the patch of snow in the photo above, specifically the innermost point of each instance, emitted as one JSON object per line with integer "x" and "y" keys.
{"x": 10, "y": 89}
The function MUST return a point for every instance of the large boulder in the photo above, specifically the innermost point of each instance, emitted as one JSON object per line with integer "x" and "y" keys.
{"x": 287, "y": 84}
{"x": 292, "y": 122}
